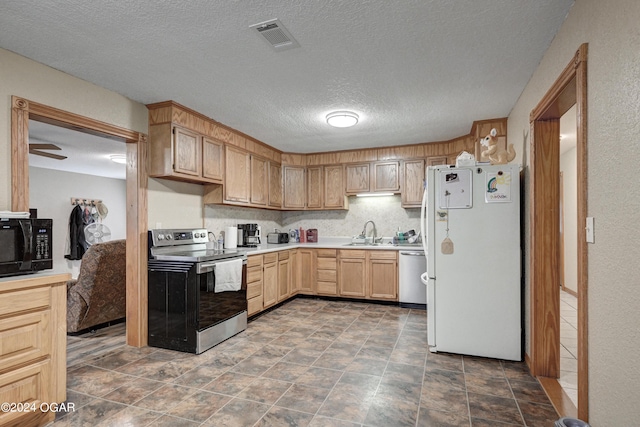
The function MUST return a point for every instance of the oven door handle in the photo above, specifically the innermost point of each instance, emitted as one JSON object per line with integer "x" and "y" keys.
{"x": 206, "y": 267}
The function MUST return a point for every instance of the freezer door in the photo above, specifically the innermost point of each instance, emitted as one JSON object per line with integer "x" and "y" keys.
{"x": 475, "y": 302}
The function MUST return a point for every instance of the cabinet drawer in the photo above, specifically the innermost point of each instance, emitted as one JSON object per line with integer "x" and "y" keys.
{"x": 254, "y": 261}
{"x": 29, "y": 299}
{"x": 326, "y": 263}
{"x": 28, "y": 385}
{"x": 254, "y": 289}
{"x": 327, "y": 276}
{"x": 283, "y": 255}
{"x": 270, "y": 258}
{"x": 327, "y": 288}
{"x": 254, "y": 274}
{"x": 383, "y": 254}
{"x": 24, "y": 338}
{"x": 353, "y": 253}
{"x": 254, "y": 305}
{"x": 326, "y": 253}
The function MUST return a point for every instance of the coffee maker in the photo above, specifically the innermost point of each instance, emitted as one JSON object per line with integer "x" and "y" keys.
{"x": 248, "y": 235}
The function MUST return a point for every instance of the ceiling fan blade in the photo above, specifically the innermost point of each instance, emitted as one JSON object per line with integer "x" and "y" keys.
{"x": 42, "y": 153}
{"x": 44, "y": 147}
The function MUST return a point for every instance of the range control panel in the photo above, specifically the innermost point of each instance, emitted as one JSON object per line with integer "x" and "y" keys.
{"x": 173, "y": 237}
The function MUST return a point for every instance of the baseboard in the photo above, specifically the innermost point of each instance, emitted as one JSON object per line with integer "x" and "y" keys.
{"x": 558, "y": 397}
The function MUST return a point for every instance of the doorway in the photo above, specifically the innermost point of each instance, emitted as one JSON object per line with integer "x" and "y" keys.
{"x": 545, "y": 240}
{"x": 23, "y": 110}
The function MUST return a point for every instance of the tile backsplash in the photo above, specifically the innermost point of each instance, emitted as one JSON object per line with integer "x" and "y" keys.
{"x": 385, "y": 211}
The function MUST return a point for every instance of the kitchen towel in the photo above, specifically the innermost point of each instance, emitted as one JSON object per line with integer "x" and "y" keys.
{"x": 231, "y": 238}
{"x": 228, "y": 275}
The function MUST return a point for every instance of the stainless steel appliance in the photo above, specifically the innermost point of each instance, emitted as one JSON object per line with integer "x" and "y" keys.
{"x": 412, "y": 292}
{"x": 187, "y": 311}
{"x": 25, "y": 245}
{"x": 248, "y": 235}
{"x": 278, "y": 238}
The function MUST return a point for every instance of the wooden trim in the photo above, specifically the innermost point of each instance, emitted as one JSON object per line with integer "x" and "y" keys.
{"x": 572, "y": 80}
{"x": 137, "y": 165}
{"x": 561, "y": 260}
{"x": 559, "y": 398}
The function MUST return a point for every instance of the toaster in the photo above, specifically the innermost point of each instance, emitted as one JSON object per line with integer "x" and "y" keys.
{"x": 278, "y": 238}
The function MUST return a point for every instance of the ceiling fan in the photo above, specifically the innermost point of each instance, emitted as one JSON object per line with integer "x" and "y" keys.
{"x": 36, "y": 149}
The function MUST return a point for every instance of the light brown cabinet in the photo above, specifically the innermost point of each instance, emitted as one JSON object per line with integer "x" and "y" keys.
{"x": 254, "y": 284}
{"x": 386, "y": 176}
{"x": 382, "y": 275}
{"x": 294, "y": 196}
{"x": 326, "y": 272}
{"x": 270, "y": 279}
{"x": 307, "y": 274}
{"x": 284, "y": 275}
{"x": 412, "y": 183}
{"x": 333, "y": 185}
{"x": 358, "y": 177}
{"x": 352, "y": 275}
{"x": 275, "y": 185}
{"x": 33, "y": 361}
{"x": 314, "y": 187}
{"x": 259, "y": 181}
{"x": 185, "y": 155}
{"x": 370, "y": 274}
{"x": 438, "y": 160}
{"x": 237, "y": 176}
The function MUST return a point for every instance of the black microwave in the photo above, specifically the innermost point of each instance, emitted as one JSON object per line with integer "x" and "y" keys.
{"x": 25, "y": 245}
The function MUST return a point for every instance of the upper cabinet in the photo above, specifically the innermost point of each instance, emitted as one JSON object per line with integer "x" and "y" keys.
{"x": 294, "y": 196}
{"x": 412, "y": 181}
{"x": 238, "y": 175}
{"x": 314, "y": 188}
{"x": 275, "y": 185}
{"x": 183, "y": 154}
{"x": 373, "y": 177}
{"x": 333, "y": 187}
{"x": 259, "y": 181}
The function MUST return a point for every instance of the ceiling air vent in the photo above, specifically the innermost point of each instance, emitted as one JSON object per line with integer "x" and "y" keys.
{"x": 275, "y": 34}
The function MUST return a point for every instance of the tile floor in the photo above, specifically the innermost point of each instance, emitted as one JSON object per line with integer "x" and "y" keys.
{"x": 569, "y": 345}
{"x": 308, "y": 363}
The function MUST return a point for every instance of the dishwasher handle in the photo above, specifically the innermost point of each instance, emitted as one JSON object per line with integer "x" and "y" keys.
{"x": 412, "y": 253}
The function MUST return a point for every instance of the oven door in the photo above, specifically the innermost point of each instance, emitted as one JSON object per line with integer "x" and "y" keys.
{"x": 215, "y": 307}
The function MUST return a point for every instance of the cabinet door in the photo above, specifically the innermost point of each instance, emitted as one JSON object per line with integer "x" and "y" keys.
{"x": 437, "y": 160}
{"x": 294, "y": 187}
{"x": 314, "y": 187}
{"x": 237, "y": 174}
{"x": 284, "y": 277}
{"x": 334, "y": 187}
{"x": 259, "y": 181}
{"x": 187, "y": 152}
{"x": 275, "y": 185}
{"x": 307, "y": 268}
{"x": 412, "y": 183}
{"x": 270, "y": 284}
{"x": 358, "y": 177}
{"x": 212, "y": 159}
{"x": 383, "y": 275}
{"x": 352, "y": 277}
{"x": 386, "y": 176}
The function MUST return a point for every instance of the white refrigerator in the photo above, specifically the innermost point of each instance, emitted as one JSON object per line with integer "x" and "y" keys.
{"x": 470, "y": 224}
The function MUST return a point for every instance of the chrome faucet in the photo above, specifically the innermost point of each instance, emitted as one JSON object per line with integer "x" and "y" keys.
{"x": 364, "y": 231}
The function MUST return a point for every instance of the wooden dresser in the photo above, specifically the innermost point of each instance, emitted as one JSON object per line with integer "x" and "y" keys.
{"x": 33, "y": 347}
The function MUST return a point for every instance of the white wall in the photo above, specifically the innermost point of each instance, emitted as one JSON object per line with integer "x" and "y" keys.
{"x": 612, "y": 31}
{"x": 568, "y": 167}
{"x": 51, "y": 192}
{"x": 36, "y": 82}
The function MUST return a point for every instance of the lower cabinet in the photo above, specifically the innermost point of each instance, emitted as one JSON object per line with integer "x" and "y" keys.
{"x": 371, "y": 274}
{"x": 270, "y": 280}
{"x": 306, "y": 271}
{"x": 33, "y": 366}
{"x": 254, "y": 284}
{"x": 326, "y": 275}
{"x": 284, "y": 275}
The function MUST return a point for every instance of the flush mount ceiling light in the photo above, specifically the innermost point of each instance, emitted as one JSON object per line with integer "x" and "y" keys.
{"x": 118, "y": 158}
{"x": 342, "y": 119}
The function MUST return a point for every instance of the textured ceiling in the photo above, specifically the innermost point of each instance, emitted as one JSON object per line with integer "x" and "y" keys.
{"x": 414, "y": 70}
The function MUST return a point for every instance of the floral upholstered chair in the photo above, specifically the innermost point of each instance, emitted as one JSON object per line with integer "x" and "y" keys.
{"x": 99, "y": 294}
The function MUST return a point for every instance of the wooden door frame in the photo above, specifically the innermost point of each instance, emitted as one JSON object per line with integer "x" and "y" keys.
{"x": 23, "y": 110}
{"x": 570, "y": 88}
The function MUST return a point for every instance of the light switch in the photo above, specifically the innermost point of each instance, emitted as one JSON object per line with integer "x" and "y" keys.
{"x": 589, "y": 228}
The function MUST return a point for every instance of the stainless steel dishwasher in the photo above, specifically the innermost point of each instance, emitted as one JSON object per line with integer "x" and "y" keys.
{"x": 412, "y": 292}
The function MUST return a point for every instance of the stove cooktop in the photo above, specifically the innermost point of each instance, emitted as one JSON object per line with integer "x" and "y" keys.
{"x": 198, "y": 255}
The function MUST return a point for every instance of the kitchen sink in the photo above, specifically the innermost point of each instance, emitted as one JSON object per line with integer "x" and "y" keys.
{"x": 362, "y": 244}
